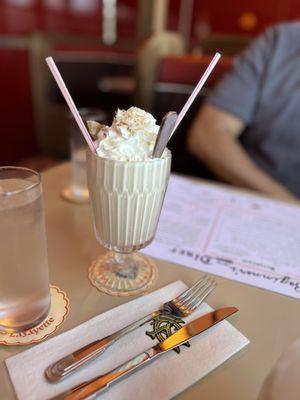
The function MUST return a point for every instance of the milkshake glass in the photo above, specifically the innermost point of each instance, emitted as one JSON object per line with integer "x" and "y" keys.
{"x": 126, "y": 199}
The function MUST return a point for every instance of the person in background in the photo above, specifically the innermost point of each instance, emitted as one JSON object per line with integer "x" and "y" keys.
{"x": 248, "y": 131}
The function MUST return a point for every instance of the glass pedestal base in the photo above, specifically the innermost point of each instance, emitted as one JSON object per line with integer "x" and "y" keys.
{"x": 123, "y": 274}
{"x": 74, "y": 196}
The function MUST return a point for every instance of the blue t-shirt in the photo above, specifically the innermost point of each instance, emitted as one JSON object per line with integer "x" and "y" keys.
{"x": 263, "y": 90}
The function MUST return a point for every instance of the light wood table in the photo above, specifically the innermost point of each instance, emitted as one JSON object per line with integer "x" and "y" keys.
{"x": 269, "y": 320}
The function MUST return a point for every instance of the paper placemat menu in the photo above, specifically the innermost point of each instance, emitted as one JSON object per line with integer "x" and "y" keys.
{"x": 238, "y": 236}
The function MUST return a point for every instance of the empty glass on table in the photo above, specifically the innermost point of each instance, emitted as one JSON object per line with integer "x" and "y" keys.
{"x": 77, "y": 192}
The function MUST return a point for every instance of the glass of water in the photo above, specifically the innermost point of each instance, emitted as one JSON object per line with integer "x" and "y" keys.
{"x": 24, "y": 280}
{"x": 78, "y": 192}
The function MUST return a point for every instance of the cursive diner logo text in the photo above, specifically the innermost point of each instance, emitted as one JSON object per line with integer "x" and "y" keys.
{"x": 33, "y": 331}
{"x": 206, "y": 259}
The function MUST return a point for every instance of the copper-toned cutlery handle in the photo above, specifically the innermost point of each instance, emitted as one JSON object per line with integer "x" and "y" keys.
{"x": 90, "y": 389}
{"x": 67, "y": 365}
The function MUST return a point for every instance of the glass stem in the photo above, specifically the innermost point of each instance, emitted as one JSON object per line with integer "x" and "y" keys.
{"x": 124, "y": 265}
{"x": 121, "y": 258}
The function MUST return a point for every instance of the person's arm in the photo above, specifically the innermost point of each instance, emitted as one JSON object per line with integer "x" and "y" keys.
{"x": 213, "y": 139}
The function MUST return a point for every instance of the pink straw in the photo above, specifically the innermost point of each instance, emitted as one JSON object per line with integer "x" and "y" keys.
{"x": 70, "y": 102}
{"x": 196, "y": 90}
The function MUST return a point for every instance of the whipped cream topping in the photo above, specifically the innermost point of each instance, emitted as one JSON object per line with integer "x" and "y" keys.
{"x": 131, "y": 136}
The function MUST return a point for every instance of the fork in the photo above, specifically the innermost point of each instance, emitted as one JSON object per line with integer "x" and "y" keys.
{"x": 181, "y": 306}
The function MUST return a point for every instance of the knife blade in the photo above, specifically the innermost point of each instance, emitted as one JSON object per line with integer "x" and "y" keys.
{"x": 92, "y": 388}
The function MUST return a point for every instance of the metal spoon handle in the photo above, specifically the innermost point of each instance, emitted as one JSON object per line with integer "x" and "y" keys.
{"x": 70, "y": 363}
{"x": 164, "y": 133}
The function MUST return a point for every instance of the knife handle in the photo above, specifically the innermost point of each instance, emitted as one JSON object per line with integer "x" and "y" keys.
{"x": 90, "y": 389}
{"x": 67, "y": 365}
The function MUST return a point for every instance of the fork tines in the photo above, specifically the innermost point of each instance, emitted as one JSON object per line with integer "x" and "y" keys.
{"x": 188, "y": 301}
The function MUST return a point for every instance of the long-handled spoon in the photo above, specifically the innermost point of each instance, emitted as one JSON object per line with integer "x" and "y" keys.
{"x": 164, "y": 133}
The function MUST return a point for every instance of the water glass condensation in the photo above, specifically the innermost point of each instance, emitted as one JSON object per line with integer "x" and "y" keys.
{"x": 24, "y": 281}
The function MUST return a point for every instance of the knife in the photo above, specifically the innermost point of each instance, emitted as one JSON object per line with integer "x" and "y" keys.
{"x": 92, "y": 388}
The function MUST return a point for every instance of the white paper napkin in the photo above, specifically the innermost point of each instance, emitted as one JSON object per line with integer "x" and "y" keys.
{"x": 161, "y": 379}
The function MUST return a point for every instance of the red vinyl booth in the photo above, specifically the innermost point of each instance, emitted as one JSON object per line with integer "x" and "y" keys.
{"x": 189, "y": 69}
{"x": 16, "y": 111}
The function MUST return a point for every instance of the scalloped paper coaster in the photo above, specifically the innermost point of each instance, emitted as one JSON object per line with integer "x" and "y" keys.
{"x": 58, "y": 313}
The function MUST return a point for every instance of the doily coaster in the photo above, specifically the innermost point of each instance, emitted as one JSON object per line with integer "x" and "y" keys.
{"x": 68, "y": 194}
{"x": 122, "y": 283}
{"x": 58, "y": 313}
